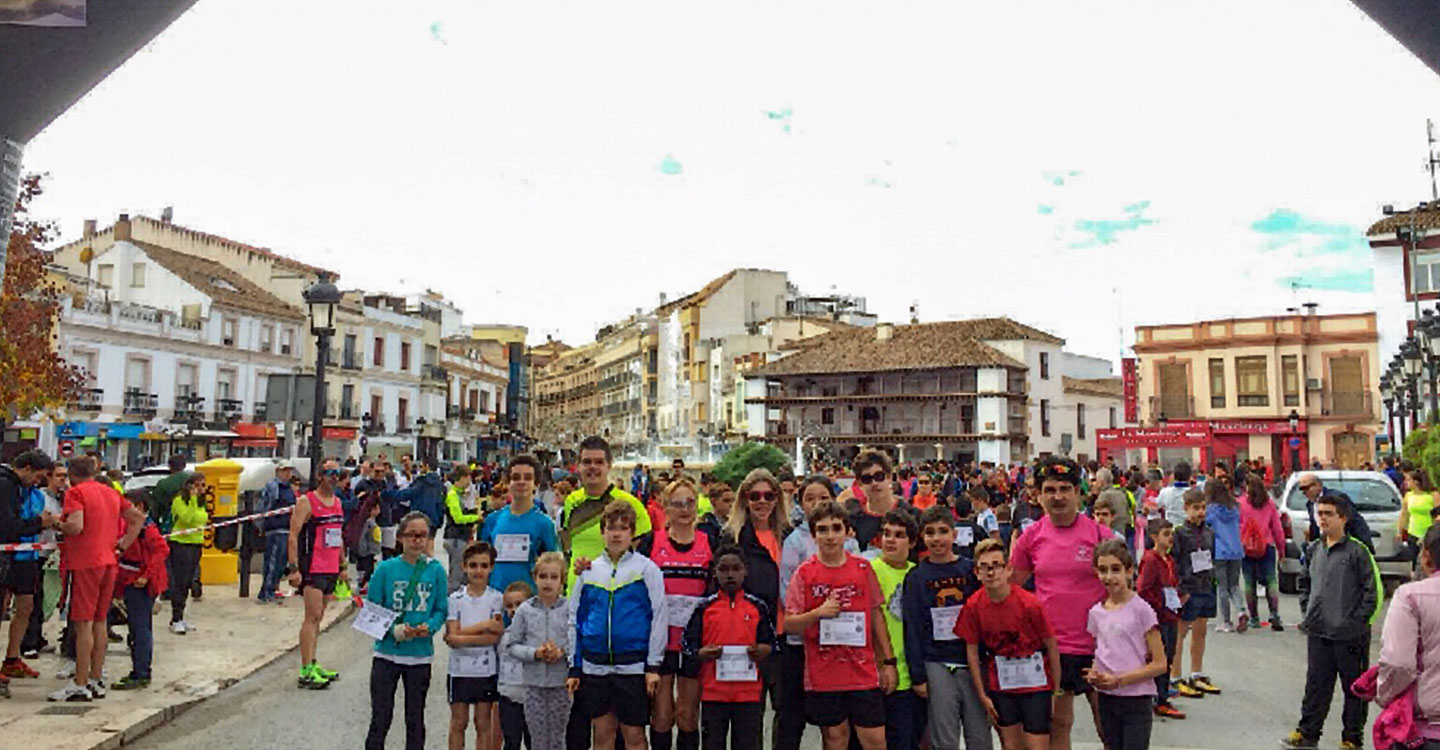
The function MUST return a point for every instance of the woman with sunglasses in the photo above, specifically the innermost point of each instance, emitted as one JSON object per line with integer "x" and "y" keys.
{"x": 188, "y": 537}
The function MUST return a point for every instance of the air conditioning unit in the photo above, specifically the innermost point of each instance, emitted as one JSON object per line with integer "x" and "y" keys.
{"x": 1313, "y": 384}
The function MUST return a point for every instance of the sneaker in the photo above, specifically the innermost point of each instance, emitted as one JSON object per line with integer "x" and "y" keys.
{"x": 1168, "y": 711}
{"x": 309, "y": 680}
{"x": 1172, "y": 692}
{"x": 96, "y": 688}
{"x": 1204, "y": 685}
{"x": 1276, "y": 625}
{"x": 1186, "y": 690}
{"x": 71, "y": 693}
{"x": 18, "y": 668}
{"x": 178, "y": 628}
{"x": 1243, "y": 623}
{"x": 1297, "y": 741}
{"x": 30, "y": 653}
{"x": 131, "y": 682}
{"x": 1224, "y": 627}
{"x": 1350, "y": 745}
{"x": 66, "y": 670}
{"x": 330, "y": 675}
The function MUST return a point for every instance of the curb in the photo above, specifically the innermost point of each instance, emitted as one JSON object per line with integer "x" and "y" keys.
{"x": 130, "y": 728}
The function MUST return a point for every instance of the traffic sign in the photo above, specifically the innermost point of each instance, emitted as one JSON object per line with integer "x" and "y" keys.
{"x": 67, "y": 448}
{"x": 364, "y": 443}
{"x": 1294, "y": 442}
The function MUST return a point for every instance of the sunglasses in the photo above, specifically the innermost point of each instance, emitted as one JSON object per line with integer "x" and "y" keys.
{"x": 878, "y": 476}
{"x": 762, "y": 497}
{"x": 332, "y": 472}
{"x": 681, "y": 503}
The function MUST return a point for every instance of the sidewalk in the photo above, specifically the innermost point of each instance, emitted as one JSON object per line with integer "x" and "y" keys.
{"x": 230, "y": 639}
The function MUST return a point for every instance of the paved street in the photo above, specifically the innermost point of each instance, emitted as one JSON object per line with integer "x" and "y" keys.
{"x": 1261, "y": 673}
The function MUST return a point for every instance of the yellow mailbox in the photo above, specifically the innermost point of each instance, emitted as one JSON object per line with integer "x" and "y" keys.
{"x": 222, "y": 501}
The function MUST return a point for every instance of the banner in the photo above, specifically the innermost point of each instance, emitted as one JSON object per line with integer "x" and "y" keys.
{"x": 1130, "y": 377}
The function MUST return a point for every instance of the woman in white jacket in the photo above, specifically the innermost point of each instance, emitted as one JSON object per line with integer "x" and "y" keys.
{"x": 1410, "y": 644}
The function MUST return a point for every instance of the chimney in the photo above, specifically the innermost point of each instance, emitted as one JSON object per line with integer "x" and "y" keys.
{"x": 89, "y": 228}
{"x": 122, "y": 228}
{"x": 884, "y": 331}
{"x": 1310, "y": 308}
{"x": 167, "y": 214}
{"x": 662, "y": 299}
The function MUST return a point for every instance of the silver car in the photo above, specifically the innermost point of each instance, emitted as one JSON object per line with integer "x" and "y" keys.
{"x": 1376, "y": 499}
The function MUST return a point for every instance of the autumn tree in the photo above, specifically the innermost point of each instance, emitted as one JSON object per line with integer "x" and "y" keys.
{"x": 33, "y": 375}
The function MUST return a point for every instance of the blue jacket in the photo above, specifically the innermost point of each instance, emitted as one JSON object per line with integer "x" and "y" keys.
{"x": 32, "y": 504}
{"x": 426, "y": 494}
{"x": 618, "y": 623}
{"x": 276, "y": 494}
{"x": 1225, "y": 522}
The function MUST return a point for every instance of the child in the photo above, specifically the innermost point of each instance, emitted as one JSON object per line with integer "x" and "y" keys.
{"x": 1129, "y": 654}
{"x": 1009, "y": 622}
{"x": 1159, "y": 586}
{"x": 834, "y": 601}
{"x": 968, "y": 529}
{"x": 619, "y": 633}
{"x": 904, "y": 712}
{"x": 1104, "y": 515}
{"x": 985, "y": 517}
{"x": 1222, "y": 514}
{"x": 141, "y": 578}
{"x": 1003, "y": 514}
{"x": 539, "y": 639}
{"x": 368, "y": 548}
{"x": 1194, "y": 545}
{"x": 728, "y": 636}
{"x": 472, "y": 628}
{"x": 683, "y": 555}
{"x": 512, "y": 681}
{"x": 413, "y": 586}
{"x": 933, "y": 598}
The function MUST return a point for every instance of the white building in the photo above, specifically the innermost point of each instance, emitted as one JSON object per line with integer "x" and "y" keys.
{"x": 393, "y": 344}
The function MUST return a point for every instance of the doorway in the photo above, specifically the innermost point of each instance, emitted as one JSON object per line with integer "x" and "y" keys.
{"x": 1351, "y": 449}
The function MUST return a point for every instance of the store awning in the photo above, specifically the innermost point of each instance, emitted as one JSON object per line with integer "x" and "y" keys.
{"x": 255, "y": 443}
{"x": 209, "y": 434}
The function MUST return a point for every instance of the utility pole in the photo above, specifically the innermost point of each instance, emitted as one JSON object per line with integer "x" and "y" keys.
{"x": 1431, "y": 160}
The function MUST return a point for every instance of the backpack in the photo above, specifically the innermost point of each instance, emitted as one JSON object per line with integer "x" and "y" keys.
{"x": 1252, "y": 538}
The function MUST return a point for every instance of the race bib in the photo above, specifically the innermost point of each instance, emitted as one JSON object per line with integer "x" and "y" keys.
{"x": 374, "y": 620}
{"x": 387, "y": 536}
{"x": 1019, "y": 673}
{"x": 1172, "y": 599}
{"x": 844, "y": 629}
{"x": 512, "y": 548}
{"x": 480, "y": 661}
{"x": 942, "y": 622}
{"x": 734, "y": 665}
{"x": 1259, "y": 591}
{"x": 333, "y": 538}
{"x": 678, "y": 609}
{"x": 1200, "y": 561}
{"x": 965, "y": 536}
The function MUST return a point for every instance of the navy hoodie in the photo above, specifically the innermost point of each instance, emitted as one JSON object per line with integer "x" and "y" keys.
{"x": 934, "y": 585}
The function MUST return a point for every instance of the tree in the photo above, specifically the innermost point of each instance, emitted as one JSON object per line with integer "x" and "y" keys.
{"x": 33, "y": 375}
{"x": 748, "y": 457}
{"x": 1422, "y": 449}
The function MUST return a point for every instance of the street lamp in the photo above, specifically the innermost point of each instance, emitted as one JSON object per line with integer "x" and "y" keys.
{"x": 1413, "y": 364}
{"x": 1162, "y": 421}
{"x": 1429, "y": 328}
{"x": 322, "y": 297}
{"x": 1387, "y": 397}
{"x": 1294, "y": 441}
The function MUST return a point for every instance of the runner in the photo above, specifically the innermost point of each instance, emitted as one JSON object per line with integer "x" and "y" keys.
{"x": 521, "y": 532}
{"x": 1056, "y": 550}
{"x": 580, "y": 520}
{"x": 316, "y": 546}
{"x": 22, "y": 518}
{"x": 460, "y": 526}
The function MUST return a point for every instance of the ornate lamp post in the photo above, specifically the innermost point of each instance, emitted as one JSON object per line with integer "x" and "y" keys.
{"x": 1387, "y": 397}
{"x": 1414, "y": 365}
{"x": 322, "y": 297}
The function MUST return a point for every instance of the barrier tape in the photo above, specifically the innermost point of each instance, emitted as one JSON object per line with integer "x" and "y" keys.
{"x": 38, "y": 546}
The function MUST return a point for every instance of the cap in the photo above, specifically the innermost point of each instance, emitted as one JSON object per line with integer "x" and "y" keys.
{"x": 285, "y": 463}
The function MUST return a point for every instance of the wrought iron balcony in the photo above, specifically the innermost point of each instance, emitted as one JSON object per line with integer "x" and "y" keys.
{"x": 88, "y": 399}
{"x": 1348, "y": 403}
{"x": 141, "y": 404}
{"x": 226, "y": 408}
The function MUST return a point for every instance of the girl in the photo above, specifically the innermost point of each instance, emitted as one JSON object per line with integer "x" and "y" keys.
{"x": 413, "y": 586}
{"x": 539, "y": 638}
{"x": 1409, "y": 650}
{"x": 1222, "y": 513}
{"x": 1257, "y": 509}
{"x": 1415, "y": 507}
{"x": 189, "y": 519}
{"x": 684, "y": 558}
{"x": 1128, "y": 652}
{"x": 472, "y": 628}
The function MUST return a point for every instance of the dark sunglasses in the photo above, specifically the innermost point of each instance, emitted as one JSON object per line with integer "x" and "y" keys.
{"x": 878, "y": 476}
{"x": 332, "y": 472}
{"x": 762, "y": 497}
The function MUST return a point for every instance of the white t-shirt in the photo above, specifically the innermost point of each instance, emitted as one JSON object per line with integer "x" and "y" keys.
{"x": 474, "y": 661}
{"x": 987, "y": 521}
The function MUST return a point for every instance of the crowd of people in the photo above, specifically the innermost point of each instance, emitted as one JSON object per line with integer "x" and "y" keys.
{"x": 934, "y": 605}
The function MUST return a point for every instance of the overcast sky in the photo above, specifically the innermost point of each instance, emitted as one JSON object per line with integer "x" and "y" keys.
{"x": 559, "y": 164}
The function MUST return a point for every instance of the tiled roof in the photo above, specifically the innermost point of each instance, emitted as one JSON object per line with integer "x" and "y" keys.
{"x": 921, "y": 346}
{"x": 217, "y": 239}
{"x": 1424, "y": 219}
{"x": 697, "y": 297}
{"x": 1105, "y": 387}
{"x": 224, "y": 286}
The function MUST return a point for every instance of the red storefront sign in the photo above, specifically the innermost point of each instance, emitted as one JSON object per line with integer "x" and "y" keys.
{"x": 254, "y": 435}
{"x": 338, "y": 433}
{"x": 1170, "y": 436}
{"x": 1248, "y": 426}
{"x": 1130, "y": 378}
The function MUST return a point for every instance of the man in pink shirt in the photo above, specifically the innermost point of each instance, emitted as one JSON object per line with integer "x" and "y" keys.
{"x": 1057, "y": 551}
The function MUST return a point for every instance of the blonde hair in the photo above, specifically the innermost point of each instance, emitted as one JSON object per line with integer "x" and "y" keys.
{"x": 683, "y": 481}
{"x": 549, "y": 558}
{"x": 740, "y": 512}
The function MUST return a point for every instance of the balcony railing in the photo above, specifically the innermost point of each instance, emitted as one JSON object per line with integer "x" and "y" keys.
{"x": 1347, "y": 403}
{"x": 350, "y": 410}
{"x": 350, "y": 360}
{"x": 452, "y": 412}
{"x": 435, "y": 373}
{"x": 225, "y": 408}
{"x": 141, "y": 404}
{"x": 403, "y": 426}
{"x": 189, "y": 408}
{"x": 1179, "y": 406}
{"x": 377, "y": 426}
{"x": 88, "y": 399}
{"x": 261, "y": 409}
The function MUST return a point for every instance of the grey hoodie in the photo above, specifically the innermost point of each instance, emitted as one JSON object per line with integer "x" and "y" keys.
{"x": 532, "y": 626}
{"x": 1339, "y": 590}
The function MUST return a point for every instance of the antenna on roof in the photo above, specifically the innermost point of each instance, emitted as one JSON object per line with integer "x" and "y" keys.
{"x": 1431, "y": 159}
{"x": 915, "y": 312}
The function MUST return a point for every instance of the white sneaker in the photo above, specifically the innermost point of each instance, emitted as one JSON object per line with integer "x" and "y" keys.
{"x": 96, "y": 688}
{"x": 71, "y": 693}
{"x": 178, "y": 628}
{"x": 66, "y": 670}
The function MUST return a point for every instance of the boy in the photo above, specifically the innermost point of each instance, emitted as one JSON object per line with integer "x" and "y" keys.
{"x": 1194, "y": 543}
{"x": 934, "y": 595}
{"x": 985, "y": 517}
{"x": 834, "y": 601}
{"x": 968, "y": 529}
{"x": 729, "y": 634}
{"x": 1105, "y": 516}
{"x": 473, "y": 626}
{"x": 1009, "y": 622}
{"x": 619, "y": 634}
{"x": 512, "y": 681}
{"x": 904, "y": 713}
{"x": 141, "y": 578}
{"x": 1159, "y": 586}
{"x": 521, "y": 532}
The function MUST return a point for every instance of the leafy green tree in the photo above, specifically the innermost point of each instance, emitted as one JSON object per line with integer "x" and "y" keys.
{"x": 748, "y": 457}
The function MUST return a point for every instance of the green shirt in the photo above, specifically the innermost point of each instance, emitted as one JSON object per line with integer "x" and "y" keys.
{"x": 189, "y": 515}
{"x": 891, "y": 579}
{"x": 585, "y": 537}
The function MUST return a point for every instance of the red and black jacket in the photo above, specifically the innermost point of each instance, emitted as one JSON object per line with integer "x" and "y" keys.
{"x": 723, "y": 620}
{"x": 145, "y": 557}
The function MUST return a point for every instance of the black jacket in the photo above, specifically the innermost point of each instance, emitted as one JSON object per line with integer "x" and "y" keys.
{"x": 1340, "y": 590}
{"x": 12, "y": 499}
{"x": 762, "y": 573}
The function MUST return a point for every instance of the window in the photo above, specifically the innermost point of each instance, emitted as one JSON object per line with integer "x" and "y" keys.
{"x": 1217, "y": 384}
{"x": 105, "y": 275}
{"x": 1044, "y": 365}
{"x": 1290, "y": 379}
{"x": 184, "y": 382}
{"x": 86, "y": 361}
{"x": 1113, "y": 424}
{"x": 349, "y": 360}
{"x": 827, "y": 416}
{"x": 190, "y": 316}
{"x": 137, "y": 275}
{"x": 1424, "y": 274}
{"x": 1080, "y": 420}
{"x": 347, "y": 402}
{"x": 287, "y": 340}
{"x": 225, "y": 386}
{"x": 402, "y": 414}
{"x": 137, "y": 374}
{"x": 267, "y": 338}
{"x": 1045, "y": 417}
{"x": 227, "y": 331}
{"x": 1252, "y": 386}
{"x": 405, "y": 356}
{"x": 379, "y": 351}
{"x": 376, "y": 402}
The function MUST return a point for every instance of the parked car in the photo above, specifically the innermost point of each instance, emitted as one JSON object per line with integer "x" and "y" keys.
{"x": 1375, "y": 498}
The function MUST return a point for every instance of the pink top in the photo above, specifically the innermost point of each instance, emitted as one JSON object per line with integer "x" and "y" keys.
{"x": 1268, "y": 518}
{"x": 1120, "y": 642}
{"x": 1410, "y": 651}
{"x": 1065, "y": 582}
{"x": 327, "y": 522}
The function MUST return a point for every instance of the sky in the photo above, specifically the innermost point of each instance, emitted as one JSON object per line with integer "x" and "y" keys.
{"x": 1081, "y": 167}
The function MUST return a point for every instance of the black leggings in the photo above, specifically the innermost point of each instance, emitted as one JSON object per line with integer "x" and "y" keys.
{"x": 1125, "y": 721}
{"x": 384, "y": 676}
{"x": 512, "y": 724}
{"x": 740, "y": 723}
{"x": 789, "y": 724}
{"x": 184, "y": 561}
{"x": 1162, "y": 680}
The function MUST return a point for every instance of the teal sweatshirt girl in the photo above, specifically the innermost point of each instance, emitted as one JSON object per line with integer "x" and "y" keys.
{"x": 389, "y": 586}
